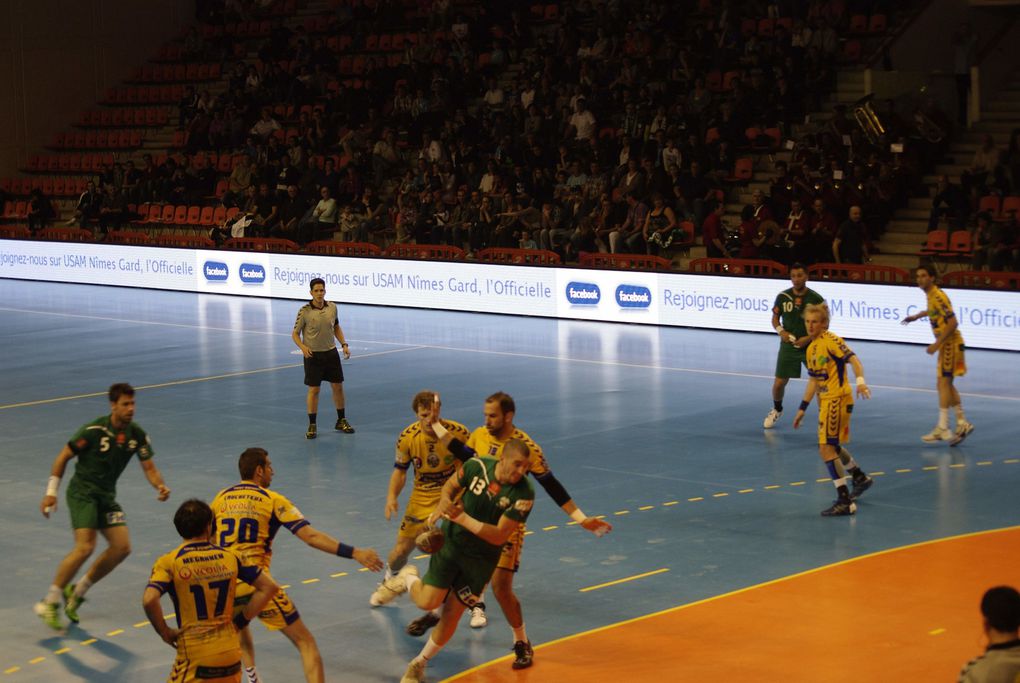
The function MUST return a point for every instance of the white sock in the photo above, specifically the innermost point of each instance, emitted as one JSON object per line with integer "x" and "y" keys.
{"x": 520, "y": 634}
{"x": 943, "y": 418}
{"x": 428, "y": 651}
{"x": 410, "y": 580}
{"x": 82, "y": 586}
{"x": 388, "y": 574}
{"x": 53, "y": 595}
{"x": 251, "y": 674}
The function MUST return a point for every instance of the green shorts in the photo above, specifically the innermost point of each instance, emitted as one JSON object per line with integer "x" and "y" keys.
{"x": 790, "y": 360}
{"x": 93, "y": 509}
{"x": 465, "y": 576}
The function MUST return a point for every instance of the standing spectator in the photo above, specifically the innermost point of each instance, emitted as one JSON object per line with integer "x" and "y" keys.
{"x": 318, "y": 323}
{"x": 582, "y": 122}
{"x": 713, "y": 232}
{"x": 850, "y": 244}
{"x": 796, "y": 233}
{"x": 1000, "y": 612}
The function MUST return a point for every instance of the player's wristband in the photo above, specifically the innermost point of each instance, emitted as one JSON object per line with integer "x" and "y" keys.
{"x": 804, "y": 405}
{"x": 52, "y": 486}
{"x": 241, "y": 621}
{"x": 343, "y": 344}
{"x": 778, "y": 329}
{"x": 860, "y": 381}
{"x": 344, "y": 550}
{"x": 439, "y": 429}
{"x": 578, "y": 516}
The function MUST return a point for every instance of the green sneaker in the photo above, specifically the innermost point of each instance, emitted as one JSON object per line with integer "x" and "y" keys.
{"x": 71, "y": 603}
{"x": 50, "y": 615}
{"x": 342, "y": 425}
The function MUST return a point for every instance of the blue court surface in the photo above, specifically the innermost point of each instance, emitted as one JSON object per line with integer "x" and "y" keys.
{"x": 660, "y": 430}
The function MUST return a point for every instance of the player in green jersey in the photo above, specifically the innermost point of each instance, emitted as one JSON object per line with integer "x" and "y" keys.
{"x": 788, "y": 322}
{"x": 103, "y": 447}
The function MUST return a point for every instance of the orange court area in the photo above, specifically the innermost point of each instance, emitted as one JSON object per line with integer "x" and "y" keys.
{"x": 905, "y": 614}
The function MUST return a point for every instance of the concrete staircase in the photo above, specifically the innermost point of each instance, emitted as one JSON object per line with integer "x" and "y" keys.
{"x": 908, "y": 229}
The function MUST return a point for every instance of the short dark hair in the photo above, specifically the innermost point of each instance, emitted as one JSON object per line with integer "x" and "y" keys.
{"x": 928, "y": 268}
{"x": 250, "y": 460}
{"x": 505, "y": 401}
{"x": 423, "y": 399}
{"x": 1000, "y": 606}
{"x": 120, "y": 389}
{"x": 797, "y": 265}
{"x": 316, "y": 281}
{"x": 192, "y": 518}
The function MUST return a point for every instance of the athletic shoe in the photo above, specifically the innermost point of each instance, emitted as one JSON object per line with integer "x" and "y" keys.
{"x": 523, "y": 654}
{"x": 421, "y": 624}
{"x": 478, "y": 618}
{"x": 415, "y": 672}
{"x": 963, "y": 429}
{"x": 342, "y": 425}
{"x": 71, "y": 603}
{"x": 937, "y": 434}
{"x": 391, "y": 588}
{"x": 841, "y": 508}
{"x": 860, "y": 486}
{"x": 772, "y": 418}
{"x": 312, "y": 429}
{"x": 50, "y": 614}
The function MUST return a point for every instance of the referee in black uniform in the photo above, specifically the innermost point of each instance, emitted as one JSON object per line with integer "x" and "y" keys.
{"x": 317, "y": 325}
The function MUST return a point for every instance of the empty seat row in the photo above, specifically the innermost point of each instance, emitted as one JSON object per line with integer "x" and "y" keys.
{"x": 124, "y": 139}
{"x": 124, "y": 116}
{"x": 51, "y": 187}
{"x": 168, "y": 214}
{"x": 73, "y": 162}
{"x": 176, "y": 73}
{"x": 145, "y": 94}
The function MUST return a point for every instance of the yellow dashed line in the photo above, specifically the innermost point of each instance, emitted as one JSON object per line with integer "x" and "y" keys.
{"x": 550, "y": 528}
{"x": 63, "y": 650}
{"x": 646, "y": 507}
{"x": 797, "y": 483}
{"x": 771, "y": 486}
{"x": 719, "y": 495}
{"x": 957, "y": 465}
{"x": 904, "y": 470}
{"x": 337, "y": 575}
{"x": 1011, "y": 461}
{"x": 364, "y": 569}
{"x": 695, "y": 500}
{"x": 983, "y": 463}
{"x": 425, "y": 557}
{"x": 285, "y": 586}
{"x": 746, "y": 491}
{"x": 936, "y": 632}
{"x": 308, "y": 581}
{"x": 622, "y": 512}
{"x": 88, "y": 642}
{"x": 12, "y": 670}
{"x": 876, "y": 474}
{"x": 929, "y": 468}
{"x": 141, "y": 624}
{"x": 37, "y": 660}
{"x": 823, "y": 480}
{"x": 115, "y": 632}
{"x": 672, "y": 502}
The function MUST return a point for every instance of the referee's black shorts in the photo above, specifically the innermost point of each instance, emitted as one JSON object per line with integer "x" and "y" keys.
{"x": 323, "y": 366}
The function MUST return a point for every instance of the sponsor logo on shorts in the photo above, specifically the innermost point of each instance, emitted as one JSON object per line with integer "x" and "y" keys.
{"x": 215, "y": 271}
{"x": 467, "y": 597}
{"x": 633, "y": 296}
{"x": 117, "y": 517}
{"x": 583, "y": 293}
{"x": 252, "y": 273}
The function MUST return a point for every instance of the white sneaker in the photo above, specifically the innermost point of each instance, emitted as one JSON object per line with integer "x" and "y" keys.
{"x": 478, "y": 618}
{"x": 415, "y": 673}
{"x": 391, "y": 588}
{"x": 772, "y": 418}
{"x": 937, "y": 434}
{"x": 963, "y": 429}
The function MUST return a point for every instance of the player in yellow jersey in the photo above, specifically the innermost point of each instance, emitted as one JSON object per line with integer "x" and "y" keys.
{"x": 827, "y": 359}
{"x": 489, "y": 440}
{"x": 248, "y": 515}
{"x": 201, "y": 579}
{"x": 433, "y": 463}
{"x": 951, "y": 364}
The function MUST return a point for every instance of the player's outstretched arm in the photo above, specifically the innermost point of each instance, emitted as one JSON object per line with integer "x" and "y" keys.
{"x": 155, "y": 478}
{"x": 559, "y": 494}
{"x": 320, "y": 540}
{"x": 911, "y": 318}
{"x": 49, "y": 500}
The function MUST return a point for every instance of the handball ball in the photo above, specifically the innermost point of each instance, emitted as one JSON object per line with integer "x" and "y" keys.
{"x": 430, "y": 540}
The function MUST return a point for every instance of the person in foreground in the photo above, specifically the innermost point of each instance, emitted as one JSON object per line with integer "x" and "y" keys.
{"x": 103, "y": 447}
{"x": 827, "y": 358}
{"x": 201, "y": 579}
{"x": 482, "y": 505}
{"x": 1000, "y": 663}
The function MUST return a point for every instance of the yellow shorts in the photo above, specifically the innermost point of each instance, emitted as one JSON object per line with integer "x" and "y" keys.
{"x": 278, "y": 614}
{"x": 510, "y": 557}
{"x": 834, "y": 419}
{"x": 951, "y": 360}
{"x": 415, "y": 516}
{"x": 223, "y": 667}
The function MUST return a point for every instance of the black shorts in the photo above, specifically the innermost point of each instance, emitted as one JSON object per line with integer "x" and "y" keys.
{"x": 323, "y": 366}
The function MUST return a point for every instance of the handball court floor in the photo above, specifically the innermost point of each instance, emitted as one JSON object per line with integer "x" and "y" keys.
{"x": 719, "y": 567}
